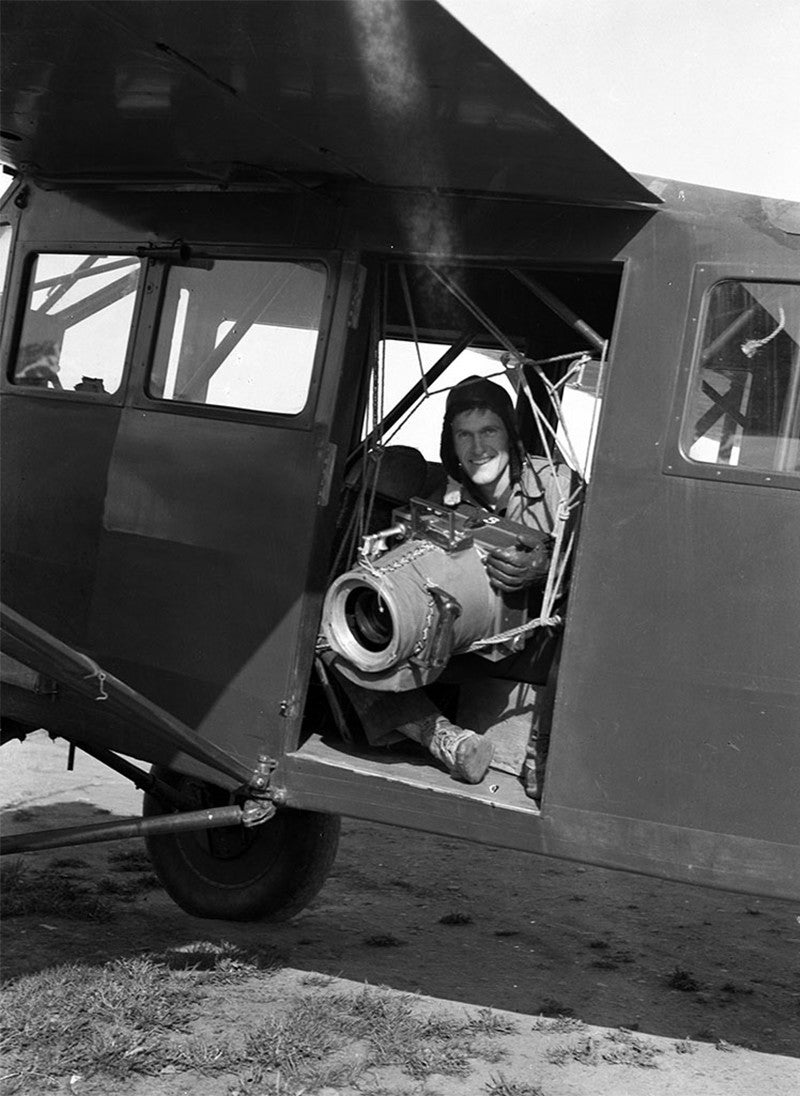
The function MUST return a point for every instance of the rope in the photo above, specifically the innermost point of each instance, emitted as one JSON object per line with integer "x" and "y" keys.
{"x": 514, "y": 361}
{"x": 541, "y": 621}
{"x": 752, "y": 346}
{"x": 366, "y": 498}
{"x": 561, "y": 553}
{"x": 514, "y": 355}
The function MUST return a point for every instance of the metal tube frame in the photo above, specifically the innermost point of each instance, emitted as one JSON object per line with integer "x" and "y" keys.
{"x": 26, "y": 641}
{"x": 213, "y": 818}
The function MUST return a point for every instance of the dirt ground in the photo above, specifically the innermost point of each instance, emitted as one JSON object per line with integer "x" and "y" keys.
{"x": 474, "y": 925}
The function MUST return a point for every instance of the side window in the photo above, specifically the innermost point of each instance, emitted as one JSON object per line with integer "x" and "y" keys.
{"x": 239, "y": 334}
{"x": 743, "y": 409}
{"x": 77, "y": 322}
{"x": 5, "y": 253}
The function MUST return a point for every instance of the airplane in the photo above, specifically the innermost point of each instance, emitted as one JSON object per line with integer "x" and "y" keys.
{"x": 246, "y": 247}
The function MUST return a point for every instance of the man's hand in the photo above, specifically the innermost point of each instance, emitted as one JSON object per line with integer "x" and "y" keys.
{"x": 513, "y": 569}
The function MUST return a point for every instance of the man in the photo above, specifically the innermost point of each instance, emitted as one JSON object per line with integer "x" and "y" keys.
{"x": 38, "y": 366}
{"x": 486, "y": 467}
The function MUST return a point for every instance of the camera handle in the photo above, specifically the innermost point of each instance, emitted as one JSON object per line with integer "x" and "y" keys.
{"x": 437, "y": 637}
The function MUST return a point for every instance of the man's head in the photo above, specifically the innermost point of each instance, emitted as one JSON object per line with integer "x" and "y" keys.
{"x": 38, "y": 365}
{"x": 480, "y": 442}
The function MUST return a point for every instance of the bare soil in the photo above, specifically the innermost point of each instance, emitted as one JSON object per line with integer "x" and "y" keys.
{"x": 483, "y": 927}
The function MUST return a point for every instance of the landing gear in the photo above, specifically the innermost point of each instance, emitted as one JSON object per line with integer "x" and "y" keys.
{"x": 264, "y": 873}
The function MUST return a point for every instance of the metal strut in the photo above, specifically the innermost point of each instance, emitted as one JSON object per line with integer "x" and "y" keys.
{"x": 30, "y": 644}
{"x": 211, "y": 819}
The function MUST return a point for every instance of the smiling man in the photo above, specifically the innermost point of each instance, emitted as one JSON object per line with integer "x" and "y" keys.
{"x": 481, "y": 445}
{"x": 488, "y": 469}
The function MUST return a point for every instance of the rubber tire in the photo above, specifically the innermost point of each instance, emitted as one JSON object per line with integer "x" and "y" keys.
{"x": 267, "y": 873}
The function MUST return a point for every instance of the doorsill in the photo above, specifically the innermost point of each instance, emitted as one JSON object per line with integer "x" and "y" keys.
{"x": 498, "y": 789}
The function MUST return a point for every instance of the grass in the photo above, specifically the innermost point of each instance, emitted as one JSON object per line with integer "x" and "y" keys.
{"x": 558, "y": 1025}
{"x": 52, "y": 891}
{"x": 384, "y": 940}
{"x": 616, "y": 1048}
{"x": 734, "y": 987}
{"x": 336, "y": 1038}
{"x": 682, "y": 980}
{"x": 503, "y": 1086}
{"x": 111, "y": 1020}
{"x": 129, "y": 860}
{"x": 145, "y": 1016}
{"x": 455, "y": 918}
{"x": 62, "y": 889}
{"x": 222, "y": 962}
{"x": 127, "y": 890}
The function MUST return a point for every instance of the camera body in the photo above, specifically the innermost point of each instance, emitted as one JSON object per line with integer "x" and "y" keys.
{"x": 421, "y": 595}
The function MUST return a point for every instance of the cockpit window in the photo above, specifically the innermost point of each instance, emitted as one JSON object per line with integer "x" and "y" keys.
{"x": 77, "y": 323}
{"x": 744, "y": 406}
{"x": 239, "y": 334}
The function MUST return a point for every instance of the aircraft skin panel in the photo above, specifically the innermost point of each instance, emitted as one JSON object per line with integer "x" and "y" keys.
{"x": 322, "y": 778}
{"x": 686, "y": 707}
{"x": 391, "y": 92}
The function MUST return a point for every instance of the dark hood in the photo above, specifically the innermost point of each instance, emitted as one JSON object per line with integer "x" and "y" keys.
{"x": 472, "y": 394}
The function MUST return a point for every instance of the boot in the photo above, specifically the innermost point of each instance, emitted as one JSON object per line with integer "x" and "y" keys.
{"x": 532, "y": 773}
{"x": 466, "y": 755}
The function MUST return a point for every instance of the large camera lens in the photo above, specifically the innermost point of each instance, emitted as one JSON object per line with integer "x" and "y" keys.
{"x": 368, "y": 619}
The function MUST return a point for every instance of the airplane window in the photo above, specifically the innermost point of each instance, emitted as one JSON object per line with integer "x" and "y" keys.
{"x": 77, "y": 323}
{"x": 5, "y": 251}
{"x": 239, "y": 334}
{"x": 744, "y": 407}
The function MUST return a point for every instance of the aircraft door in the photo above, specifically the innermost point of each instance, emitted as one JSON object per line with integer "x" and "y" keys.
{"x": 217, "y": 490}
{"x": 62, "y": 402}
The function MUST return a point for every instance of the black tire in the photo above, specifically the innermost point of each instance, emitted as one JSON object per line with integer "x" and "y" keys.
{"x": 265, "y": 873}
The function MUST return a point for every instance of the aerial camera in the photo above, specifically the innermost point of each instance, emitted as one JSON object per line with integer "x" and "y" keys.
{"x": 420, "y": 595}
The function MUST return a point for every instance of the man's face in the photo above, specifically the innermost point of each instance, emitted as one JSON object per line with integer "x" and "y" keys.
{"x": 481, "y": 444}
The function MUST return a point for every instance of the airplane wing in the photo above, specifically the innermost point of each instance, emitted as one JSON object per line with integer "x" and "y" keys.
{"x": 390, "y": 92}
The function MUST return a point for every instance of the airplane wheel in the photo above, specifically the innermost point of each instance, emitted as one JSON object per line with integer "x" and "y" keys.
{"x": 266, "y": 873}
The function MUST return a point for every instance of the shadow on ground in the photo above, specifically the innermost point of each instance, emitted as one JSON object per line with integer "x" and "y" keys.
{"x": 454, "y": 921}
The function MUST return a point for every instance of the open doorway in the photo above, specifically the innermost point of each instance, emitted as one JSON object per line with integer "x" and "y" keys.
{"x": 543, "y": 337}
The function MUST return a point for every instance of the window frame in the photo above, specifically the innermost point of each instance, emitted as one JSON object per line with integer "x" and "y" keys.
{"x": 147, "y": 340}
{"x": 18, "y": 310}
{"x": 10, "y": 223}
{"x": 677, "y": 461}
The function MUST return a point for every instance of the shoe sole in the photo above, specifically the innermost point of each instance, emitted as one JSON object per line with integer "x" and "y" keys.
{"x": 473, "y": 759}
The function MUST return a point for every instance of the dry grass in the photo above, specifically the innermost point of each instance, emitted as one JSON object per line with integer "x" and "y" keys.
{"x": 621, "y": 1048}
{"x": 111, "y": 1020}
{"x": 504, "y": 1086}
{"x": 25, "y": 890}
{"x": 144, "y": 1016}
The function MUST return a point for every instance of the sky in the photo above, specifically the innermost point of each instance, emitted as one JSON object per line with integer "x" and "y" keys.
{"x": 704, "y": 91}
